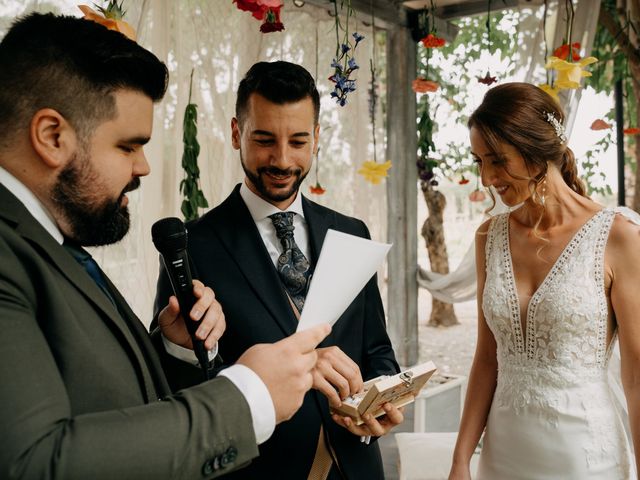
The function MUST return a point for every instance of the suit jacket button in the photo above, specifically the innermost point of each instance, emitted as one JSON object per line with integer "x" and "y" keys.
{"x": 207, "y": 468}
{"x": 232, "y": 454}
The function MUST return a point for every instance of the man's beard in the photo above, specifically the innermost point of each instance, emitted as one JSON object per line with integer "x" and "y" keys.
{"x": 93, "y": 221}
{"x": 256, "y": 179}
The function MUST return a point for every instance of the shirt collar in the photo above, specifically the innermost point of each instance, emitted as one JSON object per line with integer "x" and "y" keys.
{"x": 31, "y": 203}
{"x": 261, "y": 209}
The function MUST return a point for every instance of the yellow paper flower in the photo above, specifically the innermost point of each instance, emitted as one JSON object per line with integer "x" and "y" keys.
{"x": 110, "y": 17}
{"x": 374, "y": 172}
{"x": 553, "y": 91}
{"x": 569, "y": 73}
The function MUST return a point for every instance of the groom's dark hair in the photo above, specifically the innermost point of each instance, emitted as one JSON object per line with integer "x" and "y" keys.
{"x": 279, "y": 82}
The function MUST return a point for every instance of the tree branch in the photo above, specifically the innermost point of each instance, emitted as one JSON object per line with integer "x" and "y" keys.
{"x": 622, "y": 39}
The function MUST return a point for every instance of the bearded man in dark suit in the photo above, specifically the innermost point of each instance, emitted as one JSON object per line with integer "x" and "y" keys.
{"x": 83, "y": 394}
{"x": 257, "y": 250}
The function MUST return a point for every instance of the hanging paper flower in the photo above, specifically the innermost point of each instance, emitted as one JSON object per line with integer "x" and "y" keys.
{"x": 343, "y": 66}
{"x": 562, "y": 52}
{"x": 268, "y": 11}
{"x": 317, "y": 189}
{"x": 374, "y": 172}
{"x": 552, "y": 91}
{"x": 433, "y": 41}
{"x": 477, "y": 196}
{"x": 631, "y": 131}
{"x": 463, "y": 180}
{"x": 569, "y": 73}
{"x": 487, "y": 79}
{"x": 110, "y": 17}
{"x": 272, "y": 21}
{"x": 422, "y": 85}
{"x": 600, "y": 125}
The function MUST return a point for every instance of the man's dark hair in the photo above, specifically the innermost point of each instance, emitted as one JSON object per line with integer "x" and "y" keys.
{"x": 72, "y": 66}
{"x": 279, "y": 82}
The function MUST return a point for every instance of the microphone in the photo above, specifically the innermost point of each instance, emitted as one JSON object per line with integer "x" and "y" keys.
{"x": 170, "y": 238}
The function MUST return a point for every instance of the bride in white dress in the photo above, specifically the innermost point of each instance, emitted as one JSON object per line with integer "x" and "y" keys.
{"x": 558, "y": 282}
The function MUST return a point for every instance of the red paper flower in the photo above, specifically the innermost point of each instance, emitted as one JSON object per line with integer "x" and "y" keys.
{"x": 600, "y": 125}
{"x": 562, "y": 52}
{"x": 256, "y": 8}
{"x": 272, "y": 21}
{"x": 422, "y": 85}
{"x": 431, "y": 41}
{"x": 317, "y": 189}
{"x": 631, "y": 131}
{"x": 463, "y": 181}
{"x": 487, "y": 79}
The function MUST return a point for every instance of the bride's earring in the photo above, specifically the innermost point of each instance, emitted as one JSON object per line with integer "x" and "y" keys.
{"x": 544, "y": 190}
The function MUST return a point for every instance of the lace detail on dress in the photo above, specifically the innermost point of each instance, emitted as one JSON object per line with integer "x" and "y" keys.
{"x": 557, "y": 373}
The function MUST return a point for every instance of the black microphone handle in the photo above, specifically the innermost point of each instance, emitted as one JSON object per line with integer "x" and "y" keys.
{"x": 179, "y": 274}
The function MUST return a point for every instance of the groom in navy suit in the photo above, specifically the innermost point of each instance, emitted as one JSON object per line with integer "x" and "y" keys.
{"x": 257, "y": 251}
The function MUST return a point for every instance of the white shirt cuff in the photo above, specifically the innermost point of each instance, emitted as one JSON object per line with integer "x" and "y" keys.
{"x": 185, "y": 354}
{"x": 263, "y": 413}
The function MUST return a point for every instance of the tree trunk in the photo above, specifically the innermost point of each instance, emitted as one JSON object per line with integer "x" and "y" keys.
{"x": 627, "y": 40}
{"x": 442, "y": 313}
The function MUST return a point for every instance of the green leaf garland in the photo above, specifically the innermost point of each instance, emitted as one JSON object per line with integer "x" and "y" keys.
{"x": 190, "y": 185}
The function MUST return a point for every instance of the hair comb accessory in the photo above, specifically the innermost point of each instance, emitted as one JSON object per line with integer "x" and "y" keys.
{"x": 557, "y": 126}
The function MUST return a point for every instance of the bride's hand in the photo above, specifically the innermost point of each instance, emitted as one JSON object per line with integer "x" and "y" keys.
{"x": 460, "y": 472}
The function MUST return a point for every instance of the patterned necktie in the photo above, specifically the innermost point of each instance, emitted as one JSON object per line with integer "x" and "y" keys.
{"x": 91, "y": 267}
{"x": 292, "y": 266}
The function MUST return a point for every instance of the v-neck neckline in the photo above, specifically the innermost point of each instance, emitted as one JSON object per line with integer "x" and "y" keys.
{"x": 537, "y": 294}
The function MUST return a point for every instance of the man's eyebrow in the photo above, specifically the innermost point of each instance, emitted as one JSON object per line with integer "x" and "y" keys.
{"x": 141, "y": 140}
{"x": 265, "y": 133}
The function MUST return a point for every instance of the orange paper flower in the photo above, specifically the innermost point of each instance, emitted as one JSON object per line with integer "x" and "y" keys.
{"x": 463, "y": 181}
{"x": 477, "y": 196}
{"x": 631, "y": 131}
{"x": 110, "y": 17}
{"x": 422, "y": 85}
{"x": 431, "y": 41}
{"x": 600, "y": 125}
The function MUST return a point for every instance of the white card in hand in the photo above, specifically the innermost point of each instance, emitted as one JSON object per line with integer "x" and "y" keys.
{"x": 345, "y": 265}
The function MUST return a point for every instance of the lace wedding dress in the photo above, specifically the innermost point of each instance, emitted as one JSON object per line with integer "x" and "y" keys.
{"x": 552, "y": 415}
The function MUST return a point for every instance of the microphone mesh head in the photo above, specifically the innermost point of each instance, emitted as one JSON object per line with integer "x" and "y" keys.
{"x": 169, "y": 235}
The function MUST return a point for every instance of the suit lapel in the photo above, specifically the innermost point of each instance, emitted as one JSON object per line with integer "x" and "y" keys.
{"x": 31, "y": 230}
{"x": 318, "y": 222}
{"x": 239, "y": 234}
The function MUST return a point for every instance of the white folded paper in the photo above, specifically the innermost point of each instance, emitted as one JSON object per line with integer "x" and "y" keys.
{"x": 345, "y": 265}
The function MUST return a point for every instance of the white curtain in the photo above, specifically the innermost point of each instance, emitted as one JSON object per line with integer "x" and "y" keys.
{"x": 221, "y": 43}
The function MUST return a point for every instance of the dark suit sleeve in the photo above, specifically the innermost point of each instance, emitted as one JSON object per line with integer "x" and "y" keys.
{"x": 378, "y": 357}
{"x": 40, "y": 436}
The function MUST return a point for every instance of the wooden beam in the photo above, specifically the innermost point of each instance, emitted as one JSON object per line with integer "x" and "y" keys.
{"x": 402, "y": 196}
{"x": 387, "y": 12}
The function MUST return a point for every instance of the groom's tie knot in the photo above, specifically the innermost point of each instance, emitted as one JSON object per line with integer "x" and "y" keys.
{"x": 292, "y": 266}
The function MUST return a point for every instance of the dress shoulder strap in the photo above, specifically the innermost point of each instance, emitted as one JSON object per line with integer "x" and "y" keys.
{"x": 496, "y": 229}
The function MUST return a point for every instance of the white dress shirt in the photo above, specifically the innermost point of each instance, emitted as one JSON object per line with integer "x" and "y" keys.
{"x": 261, "y": 209}
{"x": 246, "y": 380}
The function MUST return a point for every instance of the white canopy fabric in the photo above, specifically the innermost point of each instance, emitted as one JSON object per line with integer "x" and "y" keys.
{"x": 221, "y": 43}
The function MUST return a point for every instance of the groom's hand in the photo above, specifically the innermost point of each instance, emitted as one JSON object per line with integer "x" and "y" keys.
{"x": 336, "y": 375}
{"x": 374, "y": 427}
